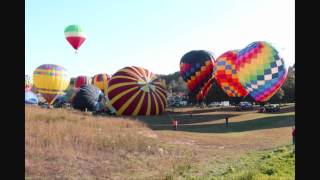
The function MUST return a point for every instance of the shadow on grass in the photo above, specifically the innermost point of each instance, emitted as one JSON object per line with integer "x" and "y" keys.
{"x": 207, "y": 110}
{"x": 183, "y": 118}
{"x": 249, "y": 125}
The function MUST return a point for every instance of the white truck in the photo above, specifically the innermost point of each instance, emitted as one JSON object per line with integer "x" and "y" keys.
{"x": 225, "y": 103}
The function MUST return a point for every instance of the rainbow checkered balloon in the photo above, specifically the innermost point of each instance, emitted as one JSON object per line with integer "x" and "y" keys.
{"x": 226, "y": 75}
{"x": 261, "y": 70}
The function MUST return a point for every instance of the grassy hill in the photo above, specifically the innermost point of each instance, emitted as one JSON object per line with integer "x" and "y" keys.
{"x": 74, "y": 145}
{"x": 68, "y": 144}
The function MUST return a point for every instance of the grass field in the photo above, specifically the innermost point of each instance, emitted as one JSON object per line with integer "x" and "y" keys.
{"x": 273, "y": 164}
{"x": 68, "y": 144}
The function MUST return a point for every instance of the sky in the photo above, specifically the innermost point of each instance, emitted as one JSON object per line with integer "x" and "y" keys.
{"x": 153, "y": 34}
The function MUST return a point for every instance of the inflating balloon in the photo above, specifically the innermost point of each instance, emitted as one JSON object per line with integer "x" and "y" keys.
{"x": 50, "y": 80}
{"x": 30, "y": 98}
{"x": 204, "y": 91}
{"x": 226, "y": 75}
{"x": 196, "y": 69}
{"x": 101, "y": 81}
{"x": 75, "y": 36}
{"x": 136, "y": 91}
{"x": 70, "y": 94}
{"x": 89, "y": 97}
{"x": 260, "y": 70}
{"x": 82, "y": 80}
{"x": 27, "y": 83}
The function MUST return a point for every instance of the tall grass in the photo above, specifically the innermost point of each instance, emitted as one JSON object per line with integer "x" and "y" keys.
{"x": 64, "y": 144}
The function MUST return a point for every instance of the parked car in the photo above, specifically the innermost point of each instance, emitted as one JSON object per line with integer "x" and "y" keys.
{"x": 178, "y": 104}
{"x": 244, "y": 106}
{"x": 214, "y": 104}
{"x": 183, "y": 103}
{"x": 272, "y": 108}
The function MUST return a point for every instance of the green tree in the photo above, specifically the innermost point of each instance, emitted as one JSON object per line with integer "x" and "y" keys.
{"x": 289, "y": 86}
{"x": 175, "y": 82}
{"x": 278, "y": 97}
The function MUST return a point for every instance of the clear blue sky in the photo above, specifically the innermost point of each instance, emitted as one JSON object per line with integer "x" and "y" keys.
{"x": 153, "y": 34}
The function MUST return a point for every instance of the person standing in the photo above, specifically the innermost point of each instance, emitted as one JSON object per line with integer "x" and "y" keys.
{"x": 293, "y": 135}
{"x": 175, "y": 124}
{"x": 190, "y": 112}
{"x": 227, "y": 120}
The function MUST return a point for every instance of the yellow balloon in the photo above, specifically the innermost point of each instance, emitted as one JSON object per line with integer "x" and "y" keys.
{"x": 101, "y": 81}
{"x": 51, "y": 80}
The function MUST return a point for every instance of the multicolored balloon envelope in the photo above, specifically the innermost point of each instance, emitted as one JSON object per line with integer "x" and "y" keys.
{"x": 204, "y": 91}
{"x": 226, "y": 75}
{"x": 27, "y": 83}
{"x": 260, "y": 70}
{"x": 75, "y": 36}
{"x": 50, "y": 80}
{"x": 196, "y": 70}
{"x": 82, "y": 80}
{"x": 136, "y": 91}
{"x": 101, "y": 81}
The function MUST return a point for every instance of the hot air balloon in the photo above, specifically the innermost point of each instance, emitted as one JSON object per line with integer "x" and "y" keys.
{"x": 226, "y": 75}
{"x": 82, "y": 80}
{"x": 260, "y": 70}
{"x": 89, "y": 97}
{"x": 101, "y": 81}
{"x": 27, "y": 83}
{"x": 75, "y": 36}
{"x": 50, "y": 80}
{"x": 136, "y": 91}
{"x": 196, "y": 70}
